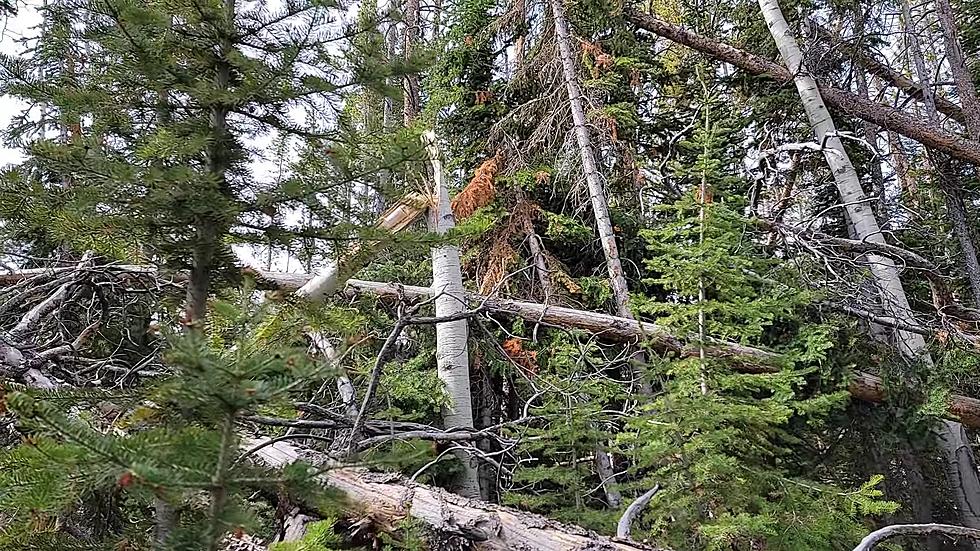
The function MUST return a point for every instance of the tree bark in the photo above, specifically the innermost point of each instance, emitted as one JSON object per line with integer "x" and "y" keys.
{"x": 385, "y": 500}
{"x": 412, "y": 97}
{"x": 965, "y": 89}
{"x": 878, "y": 536}
{"x": 600, "y": 208}
{"x": 870, "y": 130}
{"x": 841, "y": 100}
{"x": 597, "y": 192}
{"x": 328, "y": 281}
{"x": 911, "y": 88}
{"x": 945, "y": 170}
{"x": 894, "y": 300}
{"x": 911, "y": 345}
{"x": 452, "y": 351}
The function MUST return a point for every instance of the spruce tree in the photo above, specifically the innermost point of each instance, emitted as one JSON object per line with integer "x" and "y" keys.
{"x": 718, "y": 441}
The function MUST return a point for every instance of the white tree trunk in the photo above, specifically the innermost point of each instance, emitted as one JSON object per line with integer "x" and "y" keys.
{"x": 855, "y": 202}
{"x": 597, "y": 192}
{"x": 384, "y": 501}
{"x": 963, "y": 478}
{"x": 452, "y": 350}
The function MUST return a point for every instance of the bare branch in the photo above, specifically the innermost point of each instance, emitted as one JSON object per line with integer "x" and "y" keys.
{"x": 626, "y": 521}
{"x": 878, "y": 536}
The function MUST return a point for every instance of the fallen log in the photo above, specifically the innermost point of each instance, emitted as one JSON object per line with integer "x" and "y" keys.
{"x": 864, "y": 386}
{"x": 607, "y": 326}
{"x": 844, "y": 101}
{"x": 384, "y": 500}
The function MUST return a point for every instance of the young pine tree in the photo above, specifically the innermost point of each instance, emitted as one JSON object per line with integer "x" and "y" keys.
{"x": 718, "y": 440}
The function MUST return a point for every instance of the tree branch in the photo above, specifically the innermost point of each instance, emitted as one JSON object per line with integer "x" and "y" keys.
{"x": 878, "y": 536}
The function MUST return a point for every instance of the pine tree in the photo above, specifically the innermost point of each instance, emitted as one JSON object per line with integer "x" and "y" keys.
{"x": 716, "y": 440}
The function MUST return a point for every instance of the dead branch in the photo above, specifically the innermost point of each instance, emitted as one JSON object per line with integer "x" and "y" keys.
{"x": 878, "y": 536}
{"x": 842, "y": 100}
{"x": 864, "y": 386}
{"x": 626, "y": 521}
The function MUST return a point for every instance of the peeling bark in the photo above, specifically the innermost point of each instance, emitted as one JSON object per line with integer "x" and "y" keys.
{"x": 385, "y": 500}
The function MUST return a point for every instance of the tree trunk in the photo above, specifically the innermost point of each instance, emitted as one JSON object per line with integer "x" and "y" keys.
{"x": 912, "y": 346}
{"x": 864, "y": 386}
{"x": 965, "y": 89}
{"x": 412, "y": 98}
{"x": 848, "y": 184}
{"x": 945, "y": 170}
{"x": 901, "y": 161}
{"x": 597, "y": 193}
{"x": 600, "y": 208}
{"x": 870, "y": 130}
{"x": 410, "y": 208}
{"x": 890, "y": 76}
{"x": 384, "y": 500}
{"x": 841, "y": 100}
{"x": 452, "y": 351}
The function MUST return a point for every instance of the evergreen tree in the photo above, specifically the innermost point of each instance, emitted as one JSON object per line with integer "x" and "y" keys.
{"x": 716, "y": 440}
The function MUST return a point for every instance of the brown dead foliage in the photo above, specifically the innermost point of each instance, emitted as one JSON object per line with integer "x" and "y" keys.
{"x": 499, "y": 260}
{"x": 601, "y": 60}
{"x": 528, "y": 359}
{"x": 480, "y": 191}
{"x": 483, "y": 97}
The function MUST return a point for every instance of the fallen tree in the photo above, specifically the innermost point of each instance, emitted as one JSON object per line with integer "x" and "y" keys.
{"x": 841, "y": 100}
{"x": 864, "y": 386}
{"x": 384, "y": 500}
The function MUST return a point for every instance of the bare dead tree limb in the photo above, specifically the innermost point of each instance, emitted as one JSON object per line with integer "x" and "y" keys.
{"x": 895, "y": 530}
{"x": 841, "y": 100}
{"x": 626, "y": 521}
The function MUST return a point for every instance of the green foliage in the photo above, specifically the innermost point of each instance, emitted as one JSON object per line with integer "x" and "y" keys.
{"x": 175, "y": 441}
{"x": 561, "y": 481}
{"x": 717, "y": 439}
{"x": 320, "y": 536}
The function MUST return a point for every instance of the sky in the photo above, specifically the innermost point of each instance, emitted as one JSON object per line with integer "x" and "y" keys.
{"x": 15, "y": 28}
{"x": 24, "y": 25}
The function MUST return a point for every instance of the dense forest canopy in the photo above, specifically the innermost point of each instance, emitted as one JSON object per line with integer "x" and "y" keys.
{"x": 518, "y": 274}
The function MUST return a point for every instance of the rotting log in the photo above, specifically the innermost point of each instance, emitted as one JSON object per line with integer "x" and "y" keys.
{"x": 384, "y": 500}
{"x": 864, "y": 386}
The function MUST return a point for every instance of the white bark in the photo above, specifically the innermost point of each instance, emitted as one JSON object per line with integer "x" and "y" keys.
{"x": 878, "y": 536}
{"x": 452, "y": 350}
{"x": 625, "y": 523}
{"x": 385, "y": 500}
{"x": 409, "y": 209}
{"x": 348, "y": 395}
{"x": 963, "y": 478}
{"x": 859, "y": 213}
{"x": 597, "y": 192}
